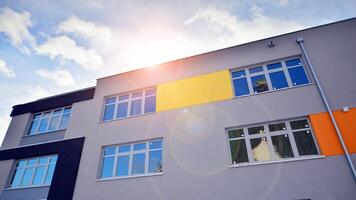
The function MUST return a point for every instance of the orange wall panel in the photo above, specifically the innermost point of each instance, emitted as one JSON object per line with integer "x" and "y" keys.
{"x": 326, "y": 134}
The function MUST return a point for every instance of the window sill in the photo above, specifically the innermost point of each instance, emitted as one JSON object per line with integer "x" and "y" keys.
{"x": 277, "y": 161}
{"x": 129, "y": 177}
{"x": 38, "y": 134}
{"x": 26, "y": 187}
{"x": 266, "y": 92}
{"x": 129, "y": 117}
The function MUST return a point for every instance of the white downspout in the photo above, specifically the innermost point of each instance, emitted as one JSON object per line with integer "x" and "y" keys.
{"x": 300, "y": 41}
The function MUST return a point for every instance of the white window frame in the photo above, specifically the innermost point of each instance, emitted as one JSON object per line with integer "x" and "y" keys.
{"x": 266, "y": 73}
{"x": 129, "y": 101}
{"x": 131, "y": 153}
{"x": 268, "y": 135}
{"x": 49, "y": 120}
{"x": 35, "y": 166}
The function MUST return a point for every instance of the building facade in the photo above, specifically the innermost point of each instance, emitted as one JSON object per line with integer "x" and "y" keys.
{"x": 245, "y": 122}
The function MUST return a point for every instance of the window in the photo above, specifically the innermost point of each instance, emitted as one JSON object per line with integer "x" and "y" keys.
{"x": 132, "y": 159}
{"x": 34, "y": 172}
{"x": 132, "y": 104}
{"x": 50, "y": 121}
{"x": 272, "y": 142}
{"x": 269, "y": 77}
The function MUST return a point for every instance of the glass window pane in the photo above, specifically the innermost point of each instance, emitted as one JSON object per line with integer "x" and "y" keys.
{"x": 136, "y": 107}
{"x": 155, "y": 162}
{"x": 32, "y": 162}
{"x": 255, "y": 69}
{"x": 109, "y": 151}
{"x": 151, "y": 92}
{"x": 57, "y": 112}
{"x": 27, "y": 177}
{"x": 278, "y": 80}
{"x": 156, "y": 144}
{"x": 22, "y": 163}
{"x": 293, "y": 62}
{"x": 38, "y": 179}
{"x": 124, "y": 97}
{"x": 108, "y": 165}
{"x": 37, "y": 116}
{"x": 123, "y": 166}
{"x": 64, "y": 121}
{"x": 46, "y": 114}
{"x": 43, "y": 125}
{"x": 256, "y": 130}
{"x": 110, "y": 100}
{"x": 299, "y": 124}
{"x": 282, "y": 147}
{"x": 259, "y": 83}
{"x": 33, "y": 128}
{"x": 43, "y": 160}
{"x": 140, "y": 146}
{"x": 54, "y": 125}
{"x": 274, "y": 66}
{"x": 125, "y": 148}
{"x": 16, "y": 180}
{"x": 109, "y": 112}
{"x": 137, "y": 94}
{"x": 138, "y": 165}
{"x": 50, "y": 172}
{"x": 236, "y": 133}
{"x": 150, "y": 104}
{"x": 67, "y": 110}
{"x": 53, "y": 159}
{"x": 241, "y": 86}
{"x": 238, "y": 151}
{"x": 260, "y": 150}
{"x": 122, "y": 110}
{"x": 277, "y": 127}
{"x": 298, "y": 75}
{"x": 237, "y": 74}
{"x": 305, "y": 143}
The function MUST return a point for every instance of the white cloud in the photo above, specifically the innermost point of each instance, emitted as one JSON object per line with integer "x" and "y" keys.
{"x": 60, "y": 77}
{"x": 66, "y": 48}
{"x": 15, "y": 26}
{"x": 6, "y": 70}
{"x": 98, "y": 35}
{"x": 4, "y": 124}
{"x": 228, "y": 29}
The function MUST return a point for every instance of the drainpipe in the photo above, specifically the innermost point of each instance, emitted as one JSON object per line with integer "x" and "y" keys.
{"x": 300, "y": 41}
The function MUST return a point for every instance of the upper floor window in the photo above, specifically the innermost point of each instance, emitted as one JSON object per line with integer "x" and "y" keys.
{"x": 288, "y": 73}
{"x": 132, "y": 159}
{"x": 130, "y": 104}
{"x": 272, "y": 142}
{"x": 50, "y": 121}
{"x": 34, "y": 172}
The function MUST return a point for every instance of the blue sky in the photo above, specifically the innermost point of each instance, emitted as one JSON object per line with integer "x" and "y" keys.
{"x": 50, "y": 47}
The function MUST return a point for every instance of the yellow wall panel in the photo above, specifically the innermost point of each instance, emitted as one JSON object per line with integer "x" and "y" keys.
{"x": 193, "y": 91}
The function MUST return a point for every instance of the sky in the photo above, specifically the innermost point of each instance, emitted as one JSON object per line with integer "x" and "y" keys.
{"x": 50, "y": 47}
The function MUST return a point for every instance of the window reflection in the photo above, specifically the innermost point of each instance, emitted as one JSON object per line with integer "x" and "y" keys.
{"x": 259, "y": 83}
{"x": 260, "y": 150}
{"x": 281, "y": 146}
